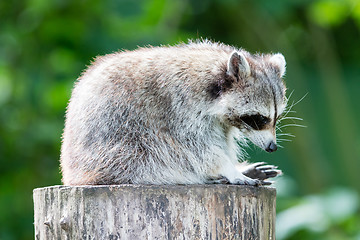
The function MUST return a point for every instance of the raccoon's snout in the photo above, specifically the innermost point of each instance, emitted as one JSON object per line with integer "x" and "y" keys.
{"x": 271, "y": 147}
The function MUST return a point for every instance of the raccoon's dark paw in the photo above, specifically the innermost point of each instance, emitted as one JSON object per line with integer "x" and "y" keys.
{"x": 219, "y": 180}
{"x": 262, "y": 171}
{"x": 247, "y": 181}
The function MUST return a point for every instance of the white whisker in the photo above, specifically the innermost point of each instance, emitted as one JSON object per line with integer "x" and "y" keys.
{"x": 289, "y": 108}
{"x": 292, "y": 125}
{"x": 292, "y": 118}
{"x": 283, "y": 140}
{"x": 300, "y": 99}
{"x": 285, "y": 134}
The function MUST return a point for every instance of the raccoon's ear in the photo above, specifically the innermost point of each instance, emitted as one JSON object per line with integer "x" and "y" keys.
{"x": 279, "y": 62}
{"x": 238, "y": 65}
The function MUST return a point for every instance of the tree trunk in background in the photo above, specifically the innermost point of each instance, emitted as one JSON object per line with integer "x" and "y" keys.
{"x": 155, "y": 212}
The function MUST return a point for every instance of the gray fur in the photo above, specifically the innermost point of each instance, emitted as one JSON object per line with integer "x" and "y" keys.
{"x": 169, "y": 115}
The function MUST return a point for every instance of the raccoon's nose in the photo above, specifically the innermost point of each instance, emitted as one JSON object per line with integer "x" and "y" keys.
{"x": 271, "y": 147}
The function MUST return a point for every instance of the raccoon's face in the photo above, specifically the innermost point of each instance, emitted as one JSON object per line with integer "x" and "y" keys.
{"x": 256, "y": 98}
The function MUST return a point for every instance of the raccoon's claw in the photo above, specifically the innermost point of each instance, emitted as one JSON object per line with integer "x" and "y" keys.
{"x": 261, "y": 171}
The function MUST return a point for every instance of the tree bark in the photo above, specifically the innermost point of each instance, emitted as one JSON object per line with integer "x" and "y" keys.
{"x": 155, "y": 212}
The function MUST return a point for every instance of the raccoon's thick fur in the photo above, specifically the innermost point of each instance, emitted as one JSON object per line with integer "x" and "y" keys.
{"x": 173, "y": 115}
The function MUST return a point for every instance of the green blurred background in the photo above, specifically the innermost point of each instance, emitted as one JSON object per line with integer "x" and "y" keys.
{"x": 44, "y": 46}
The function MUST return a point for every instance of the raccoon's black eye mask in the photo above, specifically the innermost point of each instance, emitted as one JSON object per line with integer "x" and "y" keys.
{"x": 256, "y": 121}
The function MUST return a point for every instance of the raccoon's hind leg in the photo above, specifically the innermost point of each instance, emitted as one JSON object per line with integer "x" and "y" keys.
{"x": 260, "y": 171}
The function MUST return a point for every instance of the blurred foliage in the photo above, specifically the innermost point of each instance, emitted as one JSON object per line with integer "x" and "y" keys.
{"x": 328, "y": 215}
{"x": 44, "y": 46}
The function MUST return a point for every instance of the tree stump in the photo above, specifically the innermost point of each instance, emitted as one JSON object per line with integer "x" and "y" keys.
{"x": 155, "y": 212}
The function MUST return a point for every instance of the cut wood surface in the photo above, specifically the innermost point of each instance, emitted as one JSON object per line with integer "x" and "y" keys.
{"x": 155, "y": 212}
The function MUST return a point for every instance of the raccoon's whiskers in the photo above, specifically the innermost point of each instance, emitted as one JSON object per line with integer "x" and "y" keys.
{"x": 290, "y": 118}
{"x": 289, "y": 108}
{"x": 279, "y": 146}
{"x": 285, "y": 134}
{"x": 302, "y": 98}
{"x": 283, "y": 140}
{"x": 291, "y": 125}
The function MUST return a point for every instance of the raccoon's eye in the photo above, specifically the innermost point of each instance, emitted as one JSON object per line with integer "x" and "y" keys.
{"x": 256, "y": 122}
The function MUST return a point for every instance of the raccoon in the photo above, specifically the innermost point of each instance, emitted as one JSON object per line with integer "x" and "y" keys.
{"x": 173, "y": 115}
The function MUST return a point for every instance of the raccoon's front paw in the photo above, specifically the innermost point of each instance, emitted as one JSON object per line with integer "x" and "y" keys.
{"x": 241, "y": 180}
{"x": 247, "y": 181}
{"x": 218, "y": 180}
{"x": 261, "y": 171}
